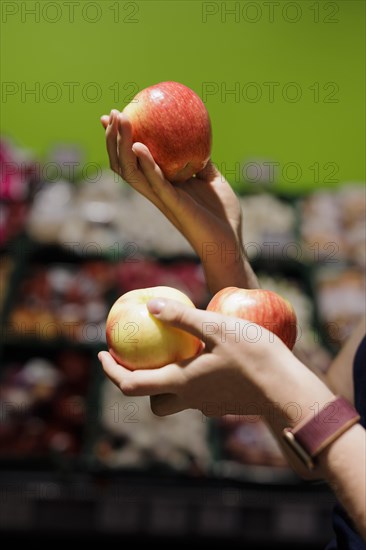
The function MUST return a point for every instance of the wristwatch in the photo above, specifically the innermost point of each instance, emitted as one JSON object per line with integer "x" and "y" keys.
{"x": 313, "y": 435}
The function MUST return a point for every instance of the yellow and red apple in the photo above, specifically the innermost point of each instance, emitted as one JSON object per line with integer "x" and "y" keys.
{"x": 138, "y": 340}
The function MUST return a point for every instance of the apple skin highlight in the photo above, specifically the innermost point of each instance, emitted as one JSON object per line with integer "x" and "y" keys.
{"x": 138, "y": 340}
{"x": 173, "y": 122}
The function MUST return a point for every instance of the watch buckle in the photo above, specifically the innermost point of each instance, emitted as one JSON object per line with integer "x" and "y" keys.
{"x": 304, "y": 456}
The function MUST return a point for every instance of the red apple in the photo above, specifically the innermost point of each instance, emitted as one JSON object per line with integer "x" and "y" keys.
{"x": 173, "y": 122}
{"x": 138, "y": 340}
{"x": 264, "y": 307}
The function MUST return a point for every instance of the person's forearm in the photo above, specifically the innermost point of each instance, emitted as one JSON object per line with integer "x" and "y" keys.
{"x": 343, "y": 463}
{"x": 224, "y": 267}
{"x": 290, "y": 403}
{"x": 343, "y": 466}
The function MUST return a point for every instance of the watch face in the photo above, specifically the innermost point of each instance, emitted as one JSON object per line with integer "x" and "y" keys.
{"x": 300, "y": 452}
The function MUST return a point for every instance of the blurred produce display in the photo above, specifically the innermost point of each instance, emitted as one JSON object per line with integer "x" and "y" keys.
{"x": 104, "y": 215}
{"x": 246, "y": 440}
{"x": 185, "y": 275}
{"x": 341, "y": 292}
{"x": 43, "y": 402}
{"x": 333, "y": 225}
{"x": 13, "y": 217}
{"x": 133, "y": 437}
{"x": 70, "y": 244}
{"x": 62, "y": 301}
{"x": 6, "y": 266}
{"x": 269, "y": 227}
{"x": 18, "y": 178}
{"x": 19, "y": 172}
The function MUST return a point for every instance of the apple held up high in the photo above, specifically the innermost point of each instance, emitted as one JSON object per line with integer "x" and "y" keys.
{"x": 263, "y": 307}
{"x": 173, "y": 122}
{"x": 137, "y": 340}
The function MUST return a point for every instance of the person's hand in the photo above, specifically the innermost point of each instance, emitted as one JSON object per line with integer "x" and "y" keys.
{"x": 204, "y": 209}
{"x": 243, "y": 369}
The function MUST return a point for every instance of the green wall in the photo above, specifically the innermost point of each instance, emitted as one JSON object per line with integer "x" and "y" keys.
{"x": 297, "y": 70}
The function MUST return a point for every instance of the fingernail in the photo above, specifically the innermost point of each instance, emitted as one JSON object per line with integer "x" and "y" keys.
{"x": 100, "y": 356}
{"x": 134, "y": 150}
{"x": 156, "y": 305}
{"x": 111, "y": 117}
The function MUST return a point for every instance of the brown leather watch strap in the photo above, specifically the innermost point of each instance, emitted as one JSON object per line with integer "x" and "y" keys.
{"x": 326, "y": 426}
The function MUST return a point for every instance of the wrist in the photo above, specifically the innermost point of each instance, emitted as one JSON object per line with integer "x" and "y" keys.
{"x": 337, "y": 452}
{"x": 313, "y": 436}
{"x": 343, "y": 466}
{"x": 294, "y": 392}
{"x": 224, "y": 266}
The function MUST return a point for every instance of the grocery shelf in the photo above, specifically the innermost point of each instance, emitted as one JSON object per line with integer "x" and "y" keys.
{"x": 163, "y": 506}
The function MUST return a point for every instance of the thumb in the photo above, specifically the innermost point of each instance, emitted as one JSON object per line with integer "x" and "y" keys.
{"x": 206, "y": 325}
{"x": 105, "y": 121}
